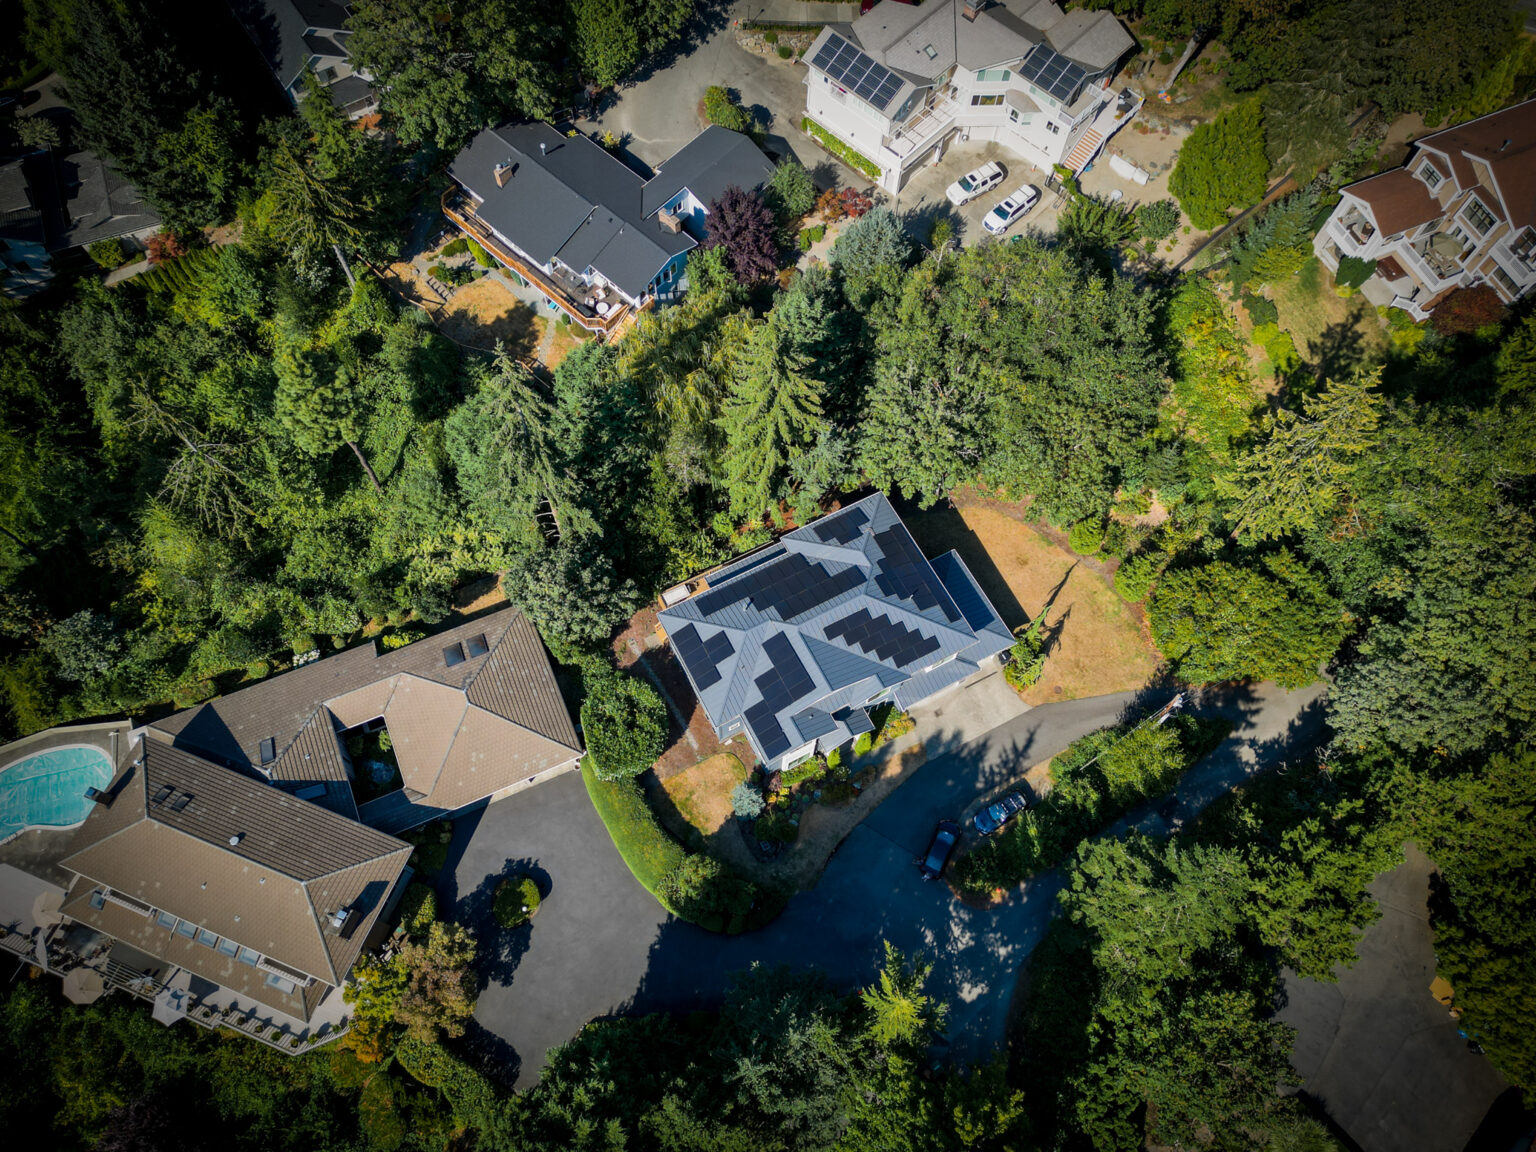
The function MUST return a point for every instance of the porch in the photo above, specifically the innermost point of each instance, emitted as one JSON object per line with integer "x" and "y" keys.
{"x": 608, "y": 315}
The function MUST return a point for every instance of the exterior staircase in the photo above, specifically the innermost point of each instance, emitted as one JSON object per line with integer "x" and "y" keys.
{"x": 1084, "y": 150}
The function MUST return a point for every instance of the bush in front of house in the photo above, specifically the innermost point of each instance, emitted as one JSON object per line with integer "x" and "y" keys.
{"x": 856, "y": 160}
{"x": 791, "y": 192}
{"x": 1353, "y": 271}
{"x": 746, "y": 801}
{"x": 516, "y": 900}
{"x": 482, "y": 257}
{"x": 624, "y": 722}
{"x": 720, "y": 108}
{"x": 455, "y": 247}
{"x": 107, "y": 254}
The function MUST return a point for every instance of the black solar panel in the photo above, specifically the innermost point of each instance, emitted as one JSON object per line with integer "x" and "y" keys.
{"x": 881, "y": 637}
{"x": 1052, "y": 72}
{"x": 770, "y": 734}
{"x": 905, "y": 575}
{"x": 869, "y": 81}
{"x": 695, "y": 656}
{"x": 841, "y": 527}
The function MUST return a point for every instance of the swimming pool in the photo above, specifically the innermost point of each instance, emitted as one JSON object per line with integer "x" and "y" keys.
{"x": 47, "y": 790}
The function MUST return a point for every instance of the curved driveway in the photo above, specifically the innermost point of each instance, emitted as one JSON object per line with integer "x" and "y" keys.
{"x": 602, "y": 946}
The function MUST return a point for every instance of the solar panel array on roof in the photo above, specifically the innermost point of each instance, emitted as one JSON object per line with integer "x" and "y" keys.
{"x": 785, "y": 681}
{"x": 882, "y": 637}
{"x": 873, "y": 83}
{"x": 790, "y": 586}
{"x": 841, "y": 527}
{"x": 904, "y": 574}
{"x": 702, "y": 657}
{"x": 1052, "y": 72}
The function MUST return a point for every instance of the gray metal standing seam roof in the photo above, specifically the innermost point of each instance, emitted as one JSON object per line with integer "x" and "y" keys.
{"x": 822, "y": 620}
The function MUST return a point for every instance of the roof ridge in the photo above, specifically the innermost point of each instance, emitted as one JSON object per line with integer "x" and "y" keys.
{"x": 325, "y": 948}
{"x": 457, "y": 727}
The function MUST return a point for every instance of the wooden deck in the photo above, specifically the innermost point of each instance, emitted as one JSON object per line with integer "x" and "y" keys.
{"x": 456, "y": 206}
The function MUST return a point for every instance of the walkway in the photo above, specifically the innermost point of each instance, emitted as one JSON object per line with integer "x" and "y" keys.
{"x": 601, "y": 945}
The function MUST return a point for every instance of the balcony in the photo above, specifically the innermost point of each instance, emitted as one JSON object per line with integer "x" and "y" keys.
{"x": 1354, "y": 231}
{"x": 917, "y": 134}
{"x": 567, "y": 292}
{"x": 1438, "y": 258}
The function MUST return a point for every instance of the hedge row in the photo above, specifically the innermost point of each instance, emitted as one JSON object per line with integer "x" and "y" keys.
{"x": 180, "y": 274}
{"x": 832, "y": 144}
{"x": 643, "y": 843}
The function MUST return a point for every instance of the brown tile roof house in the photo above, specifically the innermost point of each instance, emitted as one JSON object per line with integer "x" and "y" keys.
{"x": 471, "y": 712}
{"x": 228, "y": 846}
{"x": 242, "y": 883}
{"x": 1460, "y": 212}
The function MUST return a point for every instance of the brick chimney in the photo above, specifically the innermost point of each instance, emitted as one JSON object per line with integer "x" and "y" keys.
{"x": 503, "y": 170}
{"x": 970, "y": 9}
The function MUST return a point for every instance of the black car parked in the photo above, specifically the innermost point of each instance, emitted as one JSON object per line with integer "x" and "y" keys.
{"x": 991, "y": 818}
{"x": 944, "y": 841}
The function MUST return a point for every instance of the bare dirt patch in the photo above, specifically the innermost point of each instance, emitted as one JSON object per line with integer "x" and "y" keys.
{"x": 1097, "y": 642}
{"x": 702, "y": 793}
{"x": 484, "y": 313}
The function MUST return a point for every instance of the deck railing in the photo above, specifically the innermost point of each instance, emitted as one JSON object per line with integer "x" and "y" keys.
{"x": 457, "y": 208}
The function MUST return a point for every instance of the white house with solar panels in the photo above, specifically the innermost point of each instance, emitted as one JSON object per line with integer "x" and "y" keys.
{"x": 792, "y": 644}
{"x": 903, "y": 82}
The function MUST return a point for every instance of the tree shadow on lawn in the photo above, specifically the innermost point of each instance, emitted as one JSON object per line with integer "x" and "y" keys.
{"x": 940, "y": 529}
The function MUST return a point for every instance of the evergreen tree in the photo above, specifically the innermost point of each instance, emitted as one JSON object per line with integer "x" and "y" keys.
{"x": 607, "y": 39}
{"x": 772, "y": 415}
{"x": 320, "y": 404}
{"x": 1221, "y": 165}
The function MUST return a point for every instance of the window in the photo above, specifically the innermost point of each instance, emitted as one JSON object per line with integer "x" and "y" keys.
{"x": 476, "y": 646}
{"x": 453, "y": 655}
{"x": 282, "y": 984}
{"x": 1478, "y": 218}
{"x": 268, "y": 750}
{"x": 206, "y": 938}
{"x": 986, "y": 101}
{"x": 1524, "y": 246}
{"x": 184, "y": 928}
{"x": 98, "y": 899}
{"x": 247, "y": 956}
{"x": 165, "y": 919}
{"x": 1506, "y": 282}
{"x": 1430, "y": 175}
{"x": 226, "y": 946}
{"x": 993, "y": 75}
{"x": 1024, "y": 119}
{"x": 930, "y": 51}
{"x": 1054, "y": 127}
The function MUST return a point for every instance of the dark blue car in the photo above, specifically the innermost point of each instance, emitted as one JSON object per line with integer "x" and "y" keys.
{"x": 994, "y": 816}
{"x": 944, "y": 841}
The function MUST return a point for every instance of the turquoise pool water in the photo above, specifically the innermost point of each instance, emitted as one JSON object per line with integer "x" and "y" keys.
{"x": 48, "y": 789}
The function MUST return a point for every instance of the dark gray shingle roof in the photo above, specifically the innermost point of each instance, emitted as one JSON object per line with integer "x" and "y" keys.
{"x": 707, "y": 165}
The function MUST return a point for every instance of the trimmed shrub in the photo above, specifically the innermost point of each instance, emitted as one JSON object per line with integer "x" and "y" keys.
{"x": 624, "y": 722}
{"x": 1158, "y": 220}
{"x": 863, "y": 744}
{"x": 770, "y": 37}
{"x": 776, "y": 828}
{"x": 1134, "y": 577}
{"x": 1086, "y": 537}
{"x": 706, "y": 892}
{"x": 516, "y": 900}
{"x": 1260, "y": 309}
{"x": 804, "y": 773}
{"x": 482, "y": 257}
{"x": 107, "y": 254}
{"x": 1353, "y": 272}
{"x": 401, "y": 638}
{"x": 455, "y": 247}
{"x": 645, "y": 846}
{"x": 418, "y": 908}
{"x": 811, "y": 236}
{"x": 721, "y": 108}
{"x": 785, "y": 51}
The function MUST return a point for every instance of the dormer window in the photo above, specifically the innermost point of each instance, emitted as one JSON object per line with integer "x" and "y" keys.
{"x": 1430, "y": 175}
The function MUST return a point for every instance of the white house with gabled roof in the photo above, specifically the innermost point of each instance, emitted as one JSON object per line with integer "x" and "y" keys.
{"x": 902, "y": 82}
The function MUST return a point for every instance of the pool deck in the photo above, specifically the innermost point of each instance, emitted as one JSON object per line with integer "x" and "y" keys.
{"x": 37, "y": 851}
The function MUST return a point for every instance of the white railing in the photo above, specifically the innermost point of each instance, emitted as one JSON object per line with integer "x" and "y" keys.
{"x": 1428, "y": 274}
{"x": 923, "y": 129}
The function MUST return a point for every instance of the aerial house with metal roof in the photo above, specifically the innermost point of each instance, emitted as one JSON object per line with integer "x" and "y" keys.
{"x": 792, "y": 644}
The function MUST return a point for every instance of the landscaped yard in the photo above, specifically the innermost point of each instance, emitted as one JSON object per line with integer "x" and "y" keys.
{"x": 1331, "y": 331}
{"x": 702, "y": 794}
{"x": 1096, "y": 641}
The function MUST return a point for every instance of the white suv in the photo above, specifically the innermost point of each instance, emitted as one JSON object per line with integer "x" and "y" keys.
{"x": 1001, "y": 218}
{"x": 973, "y": 184}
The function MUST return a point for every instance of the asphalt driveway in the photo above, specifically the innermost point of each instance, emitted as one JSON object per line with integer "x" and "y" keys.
{"x": 601, "y": 945}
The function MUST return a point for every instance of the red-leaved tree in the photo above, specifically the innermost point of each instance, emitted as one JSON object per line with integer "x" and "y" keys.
{"x": 1467, "y": 310}
{"x": 741, "y": 224}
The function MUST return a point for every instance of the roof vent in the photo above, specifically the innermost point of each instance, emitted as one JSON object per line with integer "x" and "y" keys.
{"x": 541, "y": 148}
{"x": 234, "y": 841}
{"x": 503, "y": 170}
{"x": 339, "y": 918}
{"x": 1504, "y": 145}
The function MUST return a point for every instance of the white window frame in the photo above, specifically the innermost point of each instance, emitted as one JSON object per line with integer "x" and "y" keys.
{"x": 1428, "y": 173}
{"x": 1465, "y": 217}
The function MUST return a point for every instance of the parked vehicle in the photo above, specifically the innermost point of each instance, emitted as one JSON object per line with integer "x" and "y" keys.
{"x": 1013, "y": 208}
{"x": 973, "y": 184}
{"x": 992, "y": 818}
{"x": 944, "y": 841}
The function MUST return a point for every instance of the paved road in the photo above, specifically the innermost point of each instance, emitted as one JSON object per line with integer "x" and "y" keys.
{"x": 1375, "y": 1048}
{"x": 600, "y": 945}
